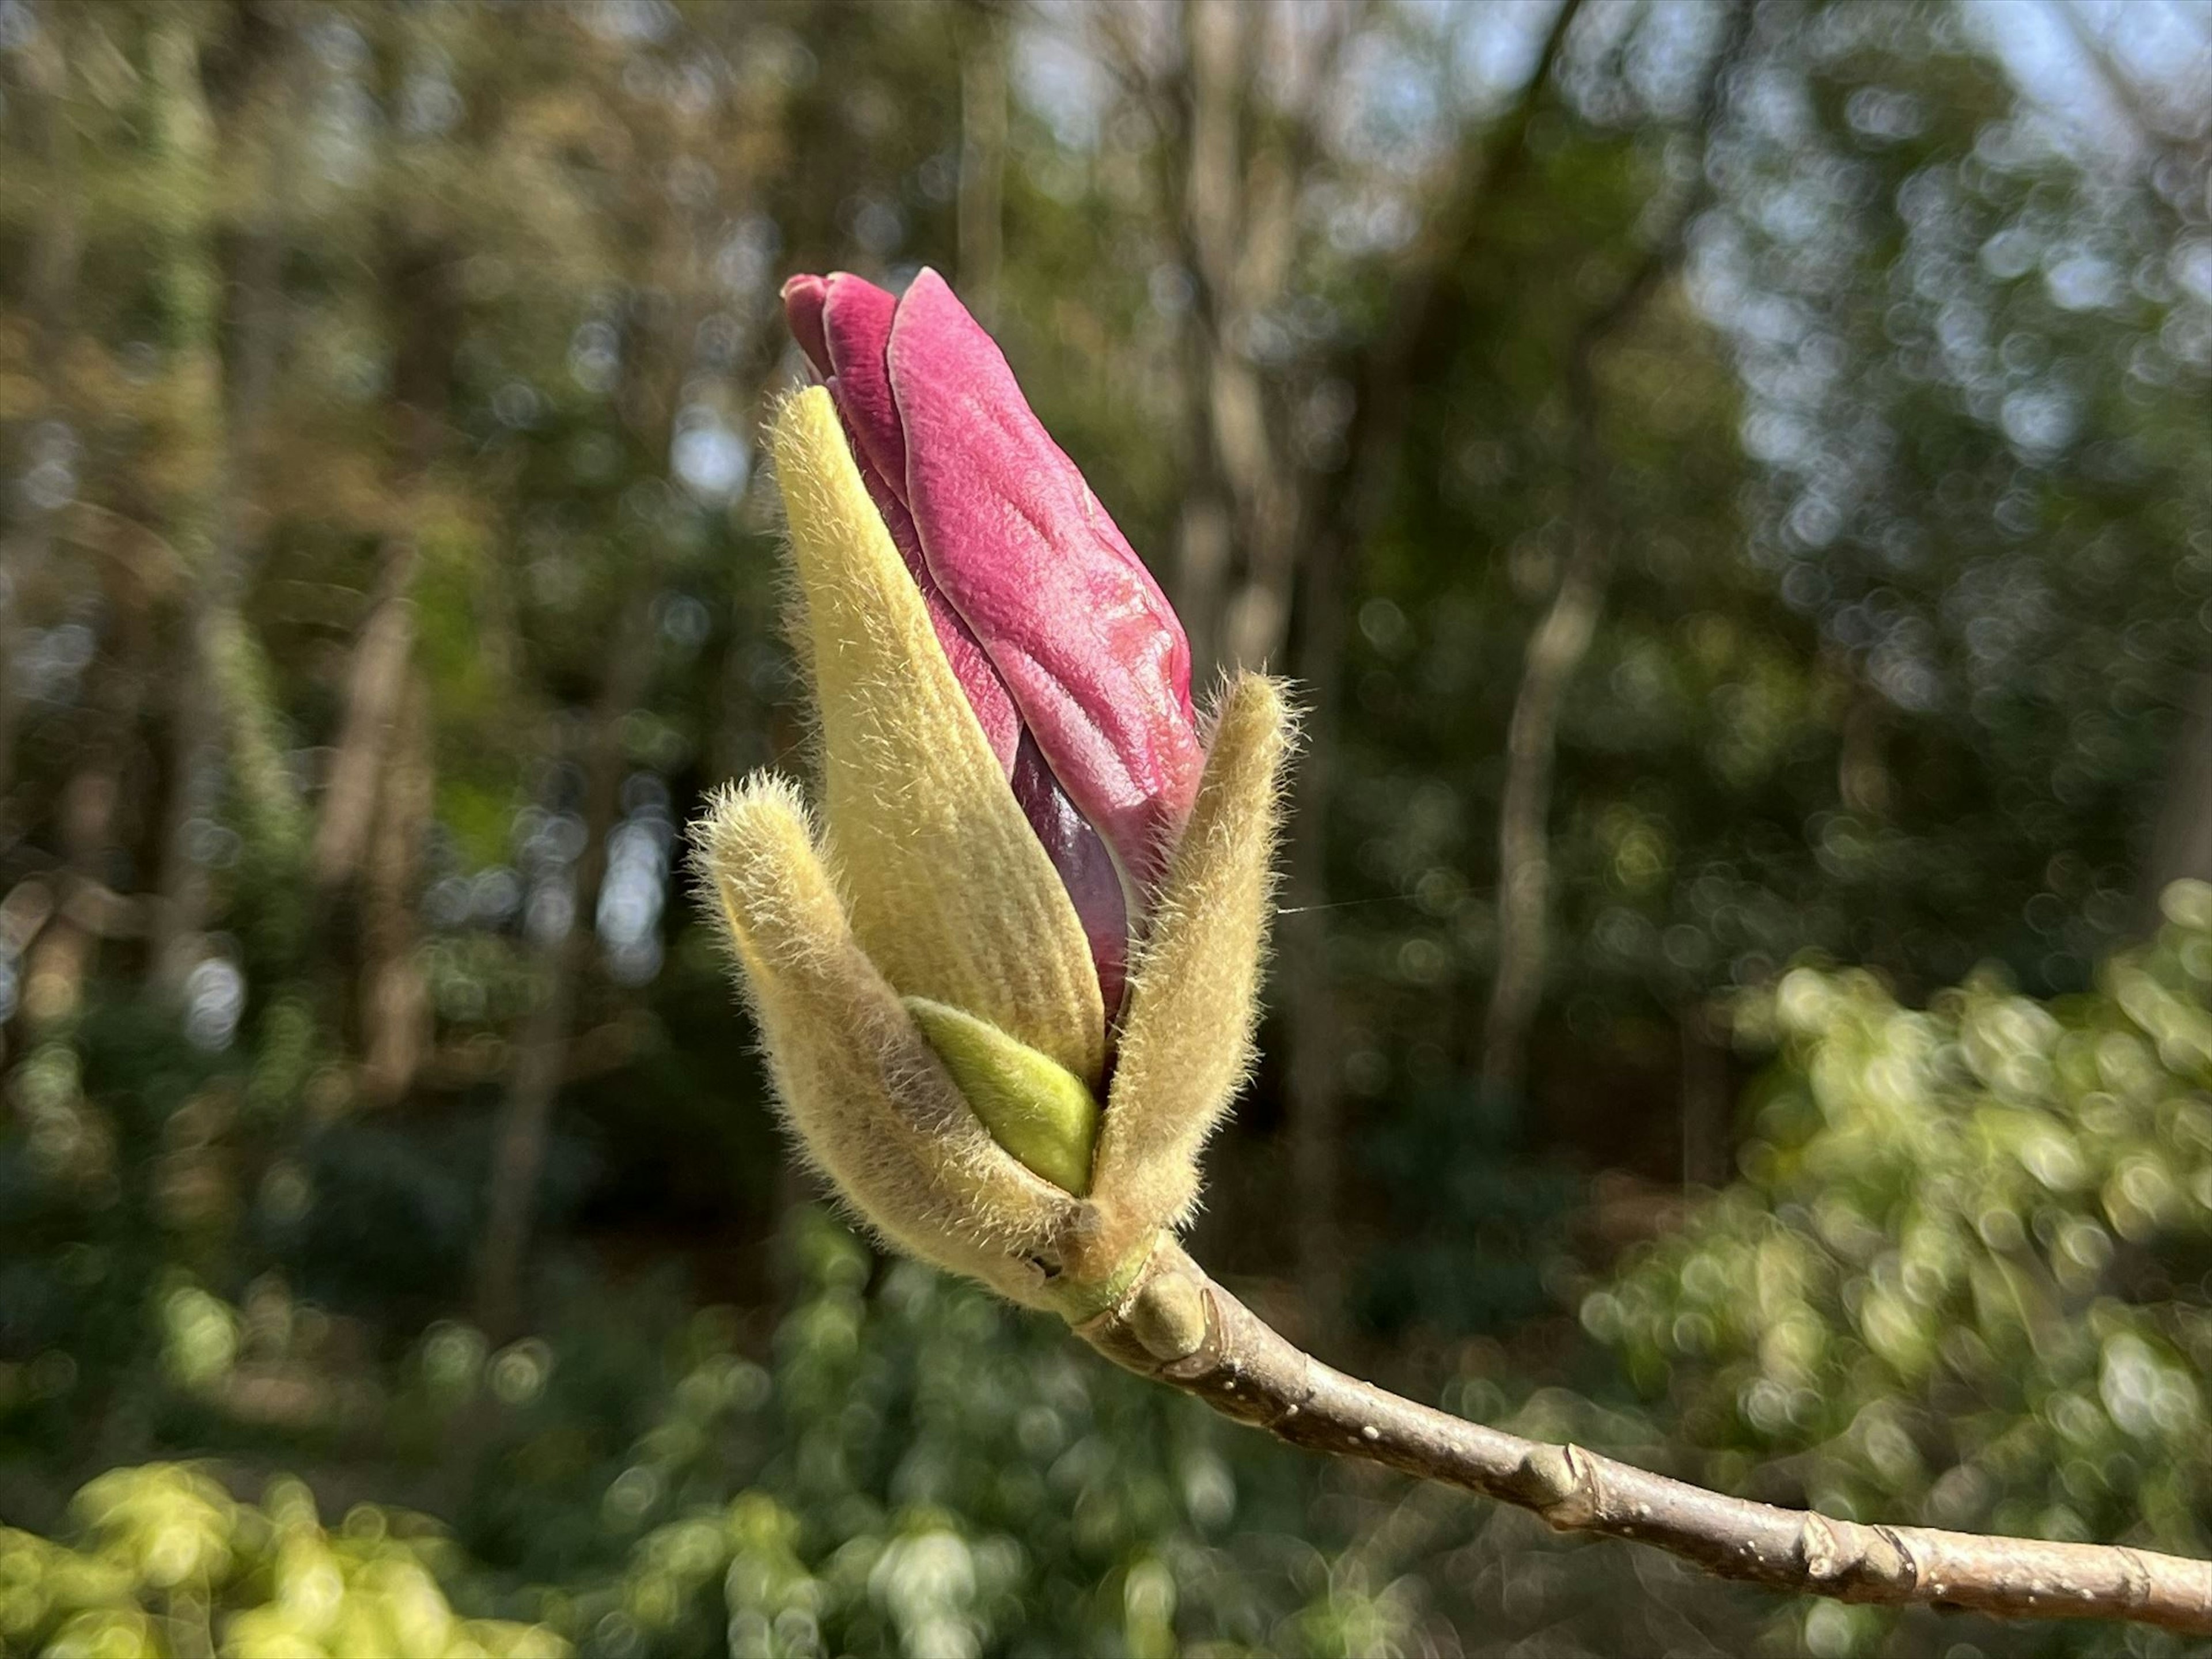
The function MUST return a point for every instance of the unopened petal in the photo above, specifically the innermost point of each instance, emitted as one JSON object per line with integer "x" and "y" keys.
{"x": 856, "y": 327}
{"x": 804, "y": 300}
{"x": 1086, "y": 870}
{"x": 1081, "y": 634}
{"x": 952, "y": 895}
{"x": 863, "y": 1091}
{"x": 1194, "y": 990}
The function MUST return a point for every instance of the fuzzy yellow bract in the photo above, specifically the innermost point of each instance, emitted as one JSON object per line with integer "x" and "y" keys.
{"x": 953, "y": 896}
{"x": 872, "y": 1105}
{"x": 1194, "y": 989}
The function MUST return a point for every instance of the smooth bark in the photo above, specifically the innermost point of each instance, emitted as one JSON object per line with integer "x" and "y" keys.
{"x": 1177, "y": 1326}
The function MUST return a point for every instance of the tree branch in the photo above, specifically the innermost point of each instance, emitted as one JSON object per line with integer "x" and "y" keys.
{"x": 1177, "y": 1326}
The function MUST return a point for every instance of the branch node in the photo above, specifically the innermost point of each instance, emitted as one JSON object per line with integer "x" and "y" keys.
{"x": 1169, "y": 1317}
{"x": 1888, "y": 1561}
{"x": 1560, "y": 1484}
{"x": 1827, "y": 1555}
{"x": 2136, "y": 1571}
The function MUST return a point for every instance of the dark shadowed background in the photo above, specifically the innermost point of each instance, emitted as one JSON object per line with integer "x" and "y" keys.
{"x": 1734, "y": 485}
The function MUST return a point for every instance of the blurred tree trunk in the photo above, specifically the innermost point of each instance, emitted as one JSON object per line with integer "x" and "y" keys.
{"x": 1562, "y": 638}
{"x": 1863, "y": 783}
{"x": 1236, "y": 217}
{"x": 673, "y": 269}
{"x": 1204, "y": 210}
{"x": 982, "y": 208}
{"x": 1257, "y": 568}
{"x": 221, "y": 722}
{"x": 50, "y": 277}
{"x": 1556, "y": 650}
{"x": 376, "y": 682}
{"x": 192, "y": 299}
{"x": 379, "y": 788}
{"x": 1313, "y": 1031}
{"x": 1345, "y": 509}
{"x": 87, "y": 908}
{"x": 2181, "y": 843}
{"x": 395, "y": 996}
{"x": 542, "y": 1046}
{"x": 1708, "y": 1098}
{"x": 379, "y": 671}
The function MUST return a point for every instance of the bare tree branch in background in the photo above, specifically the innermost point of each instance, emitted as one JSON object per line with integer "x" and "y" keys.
{"x": 1562, "y": 638}
{"x": 1227, "y": 425}
{"x": 1178, "y": 1327}
{"x": 1248, "y": 128}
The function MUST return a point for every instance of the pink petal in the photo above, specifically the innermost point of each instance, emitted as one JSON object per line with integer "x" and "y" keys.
{"x": 971, "y": 666}
{"x": 1097, "y": 664}
{"x": 857, "y": 318}
{"x": 1085, "y": 867}
{"x": 843, "y": 324}
{"x": 803, "y": 301}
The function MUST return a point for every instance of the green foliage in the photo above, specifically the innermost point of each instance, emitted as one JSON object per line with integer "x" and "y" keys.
{"x": 1962, "y": 1281}
{"x": 926, "y": 1473}
{"x": 163, "y": 1561}
{"x": 923, "y": 1472}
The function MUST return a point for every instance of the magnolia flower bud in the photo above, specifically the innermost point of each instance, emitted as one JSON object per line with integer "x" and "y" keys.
{"x": 1031, "y": 888}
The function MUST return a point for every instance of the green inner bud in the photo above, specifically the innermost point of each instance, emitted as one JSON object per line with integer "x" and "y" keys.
{"x": 1033, "y": 1106}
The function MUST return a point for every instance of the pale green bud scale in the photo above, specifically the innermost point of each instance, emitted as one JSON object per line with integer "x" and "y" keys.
{"x": 1033, "y": 1106}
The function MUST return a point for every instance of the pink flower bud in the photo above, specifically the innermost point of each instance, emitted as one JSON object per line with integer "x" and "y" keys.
{"x": 1070, "y": 655}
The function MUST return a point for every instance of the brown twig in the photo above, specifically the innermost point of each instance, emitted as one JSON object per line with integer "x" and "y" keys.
{"x": 1177, "y": 1326}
